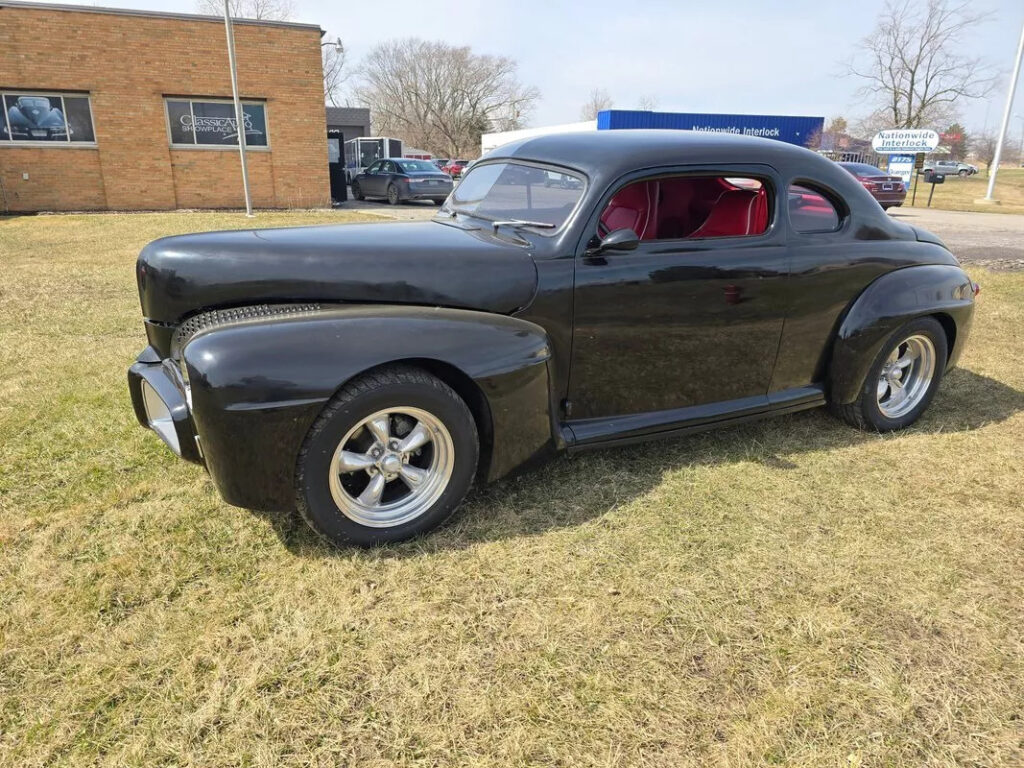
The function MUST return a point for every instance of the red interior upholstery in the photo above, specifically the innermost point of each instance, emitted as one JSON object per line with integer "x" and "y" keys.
{"x": 738, "y": 212}
{"x": 633, "y": 207}
{"x": 685, "y": 207}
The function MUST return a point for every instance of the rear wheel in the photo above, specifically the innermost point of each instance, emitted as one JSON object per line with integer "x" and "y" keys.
{"x": 391, "y": 456}
{"x": 357, "y": 191}
{"x": 902, "y": 380}
{"x": 393, "y": 196}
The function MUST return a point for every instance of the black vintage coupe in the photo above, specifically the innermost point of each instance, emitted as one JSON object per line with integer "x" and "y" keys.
{"x": 367, "y": 374}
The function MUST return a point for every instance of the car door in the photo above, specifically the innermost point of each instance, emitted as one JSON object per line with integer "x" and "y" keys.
{"x": 690, "y": 321}
{"x": 370, "y": 182}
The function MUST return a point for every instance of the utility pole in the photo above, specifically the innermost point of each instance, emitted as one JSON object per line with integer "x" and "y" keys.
{"x": 239, "y": 115}
{"x": 1006, "y": 118}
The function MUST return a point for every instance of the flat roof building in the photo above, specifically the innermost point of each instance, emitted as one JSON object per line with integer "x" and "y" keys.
{"x": 109, "y": 109}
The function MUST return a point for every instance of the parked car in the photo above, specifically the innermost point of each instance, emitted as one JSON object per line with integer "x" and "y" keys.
{"x": 456, "y": 167}
{"x": 441, "y": 164}
{"x": 889, "y": 191}
{"x": 32, "y": 118}
{"x": 399, "y": 179}
{"x": 366, "y": 374}
{"x": 950, "y": 167}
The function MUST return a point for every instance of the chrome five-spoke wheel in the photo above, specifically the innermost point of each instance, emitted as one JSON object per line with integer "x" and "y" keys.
{"x": 391, "y": 467}
{"x": 906, "y": 376}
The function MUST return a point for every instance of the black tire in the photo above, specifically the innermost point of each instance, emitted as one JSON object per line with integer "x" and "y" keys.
{"x": 357, "y": 191}
{"x": 393, "y": 197}
{"x": 439, "y": 200}
{"x": 962, "y": 174}
{"x": 398, "y": 386}
{"x": 864, "y": 412}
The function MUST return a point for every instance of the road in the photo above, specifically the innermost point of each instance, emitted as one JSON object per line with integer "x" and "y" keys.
{"x": 992, "y": 240}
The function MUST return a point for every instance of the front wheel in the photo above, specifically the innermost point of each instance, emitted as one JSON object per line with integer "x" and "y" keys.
{"x": 962, "y": 174}
{"x": 357, "y": 191}
{"x": 390, "y": 457}
{"x": 393, "y": 197}
{"x": 902, "y": 380}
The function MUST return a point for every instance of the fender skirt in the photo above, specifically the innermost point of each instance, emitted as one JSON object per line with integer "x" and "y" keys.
{"x": 258, "y": 385}
{"x": 885, "y": 305}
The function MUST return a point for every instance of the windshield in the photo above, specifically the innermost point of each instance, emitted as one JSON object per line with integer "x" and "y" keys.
{"x": 502, "y": 191}
{"x": 407, "y": 166}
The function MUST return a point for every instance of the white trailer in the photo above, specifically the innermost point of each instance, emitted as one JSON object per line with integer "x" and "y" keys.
{"x": 361, "y": 152}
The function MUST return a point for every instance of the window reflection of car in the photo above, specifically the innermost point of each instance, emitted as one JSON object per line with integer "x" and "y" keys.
{"x": 563, "y": 180}
{"x": 889, "y": 191}
{"x": 32, "y": 118}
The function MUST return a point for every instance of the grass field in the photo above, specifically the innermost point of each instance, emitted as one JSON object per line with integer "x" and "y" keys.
{"x": 789, "y": 592}
{"x": 957, "y": 194}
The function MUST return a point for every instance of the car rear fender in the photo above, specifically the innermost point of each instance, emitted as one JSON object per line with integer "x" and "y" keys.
{"x": 257, "y": 386}
{"x": 886, "y": 304}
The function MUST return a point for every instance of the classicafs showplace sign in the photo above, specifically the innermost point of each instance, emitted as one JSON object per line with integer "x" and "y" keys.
{"x": 905, "y": 140}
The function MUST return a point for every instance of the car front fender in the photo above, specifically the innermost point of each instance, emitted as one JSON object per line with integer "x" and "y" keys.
{"x": 890, "y": 301}
{"x": 257, "y": 385}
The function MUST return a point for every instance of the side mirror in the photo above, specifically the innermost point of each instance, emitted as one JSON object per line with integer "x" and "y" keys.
{"x": 619, "y": 240}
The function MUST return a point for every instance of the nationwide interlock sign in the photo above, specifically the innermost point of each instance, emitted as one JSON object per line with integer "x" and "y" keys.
{"x": 905, "y": 140}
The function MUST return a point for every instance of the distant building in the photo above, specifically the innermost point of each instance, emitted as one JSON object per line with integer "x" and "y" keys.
{"x": 351, "y": 122}
{"x": 792, "y": 129}
{"x": 132, "y": 110}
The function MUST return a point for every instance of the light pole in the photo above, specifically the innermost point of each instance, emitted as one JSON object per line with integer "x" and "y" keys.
{"x": 1006, "y": 117}
{"x": 336, "y": 45}
{"x": 1021, "y": 153}
{"x": 239, "y": 115}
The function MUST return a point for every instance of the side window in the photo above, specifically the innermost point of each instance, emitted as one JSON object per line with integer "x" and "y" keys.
{"x": 374, "y": 167}
{"x": 689, "y": 207}
{"x": 811, "y": 211}
{"x": 388, "y": 167}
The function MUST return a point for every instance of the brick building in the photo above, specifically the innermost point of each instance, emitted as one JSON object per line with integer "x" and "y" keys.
{"x": 106, "y": 109}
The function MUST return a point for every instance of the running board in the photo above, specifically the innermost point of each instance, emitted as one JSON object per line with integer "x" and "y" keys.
{"x": 585, "y": 434}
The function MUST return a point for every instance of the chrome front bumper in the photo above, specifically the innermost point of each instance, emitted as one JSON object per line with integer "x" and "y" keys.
{"x": 161, "y": 404}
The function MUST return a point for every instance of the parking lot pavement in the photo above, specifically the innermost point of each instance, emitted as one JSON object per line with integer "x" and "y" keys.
{"x": 992, "y": 240}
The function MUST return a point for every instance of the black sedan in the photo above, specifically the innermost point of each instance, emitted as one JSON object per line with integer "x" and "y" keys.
{"x": 398, "y": 180}
{"x": 367, "y": 374}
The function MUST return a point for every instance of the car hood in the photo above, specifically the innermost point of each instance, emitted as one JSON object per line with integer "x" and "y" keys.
{"x": 424, "y": 263}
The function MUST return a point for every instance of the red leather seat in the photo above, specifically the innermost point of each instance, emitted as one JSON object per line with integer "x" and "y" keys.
{"x": 633, "y": 207}
{"x": 738, "y": 212}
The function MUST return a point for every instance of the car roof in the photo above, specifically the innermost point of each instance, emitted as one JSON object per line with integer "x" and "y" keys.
{"x": 625, "y": 150}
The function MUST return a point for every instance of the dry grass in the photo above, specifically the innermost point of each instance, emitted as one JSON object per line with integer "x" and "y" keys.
{"x": 789, "y": 592}
{"x": 958, "y": 194}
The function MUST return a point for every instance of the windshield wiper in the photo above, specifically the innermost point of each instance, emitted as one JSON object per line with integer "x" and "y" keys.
{"x": 514, "y": 223}
{"x": 453, "y": 212}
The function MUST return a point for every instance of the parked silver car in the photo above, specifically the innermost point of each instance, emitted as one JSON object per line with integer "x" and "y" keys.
{"x": 950, "y": 167}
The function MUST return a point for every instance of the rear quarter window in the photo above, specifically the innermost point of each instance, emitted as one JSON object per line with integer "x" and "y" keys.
{"x": 811, "y": 211}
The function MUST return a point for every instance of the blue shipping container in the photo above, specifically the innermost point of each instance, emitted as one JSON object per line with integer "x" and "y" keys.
{"x": 789, "y": 128}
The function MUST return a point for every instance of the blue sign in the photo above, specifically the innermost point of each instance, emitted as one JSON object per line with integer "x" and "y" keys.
{"x": 902, "y": 166}
{"x": 793, "y": 129}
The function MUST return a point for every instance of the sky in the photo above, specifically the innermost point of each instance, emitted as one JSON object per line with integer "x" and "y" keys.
{"x": 736, "y": 56}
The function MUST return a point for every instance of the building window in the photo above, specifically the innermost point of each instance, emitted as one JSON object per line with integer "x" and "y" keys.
{"x": 51, "y": 118}
{"x": 212, "y": 123}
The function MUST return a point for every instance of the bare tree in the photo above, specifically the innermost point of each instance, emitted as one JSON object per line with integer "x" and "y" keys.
{"x": 336, "y": 73}
{"x": 912, "y": 65}
{"x": 647, "y": 103}
{"x": 598, "y": 101}
{"x": 984, "y": 150}
{"x": 263, "y": 10}
{"x": 441, "y": 97}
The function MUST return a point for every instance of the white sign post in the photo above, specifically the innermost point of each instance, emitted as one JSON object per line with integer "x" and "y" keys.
{"x": 905, "y": 140}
